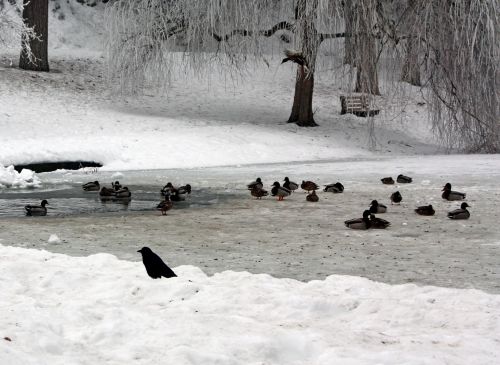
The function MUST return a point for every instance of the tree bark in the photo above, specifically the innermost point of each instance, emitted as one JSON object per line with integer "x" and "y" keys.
{"x": 302, "y": 113}
{"x": 349, "y": 42}
{"x": 35, "y": 15}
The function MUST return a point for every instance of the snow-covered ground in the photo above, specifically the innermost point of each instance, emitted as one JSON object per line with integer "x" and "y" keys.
{"x": 72, "y": 117}
{"x": 70, "y": 114}
{"x": 94, "y": 310}
{"x": 60, "y": 309}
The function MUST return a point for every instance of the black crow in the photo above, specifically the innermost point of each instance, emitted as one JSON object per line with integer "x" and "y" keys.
{"x": 154, "y": 265}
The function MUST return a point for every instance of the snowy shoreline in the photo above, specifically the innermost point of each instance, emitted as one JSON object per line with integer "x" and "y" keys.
{"x": 96, "y": 309}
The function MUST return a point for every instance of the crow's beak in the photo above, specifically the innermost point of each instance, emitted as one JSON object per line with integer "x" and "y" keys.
{"x": 139, "y": 250}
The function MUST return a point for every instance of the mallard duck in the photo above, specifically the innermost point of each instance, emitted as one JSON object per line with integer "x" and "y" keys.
{"x": 176, "y": 197}
{"x": 334, "y": 188}
{"x": 123, "y": 193}
{"x": 461, "y": 213}
{"x": 402, "y": 179}
{"x": 165, "y": 205}
{"x": 91, "y": 186}
{"x": 425, "y": 210}
{"x": 312, "y": 197}
{"x": 360, "y": 223}
{"x": 375, "y": 207}
{"x": 309, "y": 185}
{"x": 258, "y": 192}
{"x": 279, "y": 191}
{"x": 39, "y": 210}
{"x": 184, "y": 189}
{"x": 387, "y": 180}
{"x": 290, "y": 185}
{"x": 396, "y": 197}
{"x": 169, "y": 188}
{"x": 378, "y": 223}
{"x": 106, "y": 192}
{"x": 116, "y": 185}
{"x": 449, "y": 194}
{"x": 257, "y": 183}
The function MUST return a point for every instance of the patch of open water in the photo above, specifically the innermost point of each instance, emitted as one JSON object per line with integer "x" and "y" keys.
{"x": 69, "y": 199}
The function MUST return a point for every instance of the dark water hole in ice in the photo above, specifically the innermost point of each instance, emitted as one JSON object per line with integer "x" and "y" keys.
{"x": 69, "y": 199}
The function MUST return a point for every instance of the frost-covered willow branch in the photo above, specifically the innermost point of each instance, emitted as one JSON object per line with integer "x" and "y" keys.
{"x": 462, "y": 58}
{"x": 13, "y": 29}
{"x": 147, "y": 38}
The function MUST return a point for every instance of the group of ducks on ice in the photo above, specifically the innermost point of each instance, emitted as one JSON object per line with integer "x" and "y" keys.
{"x": 122, "y": 194}
{"x": 117, "y": 192}
{"x": 369, "y": 220}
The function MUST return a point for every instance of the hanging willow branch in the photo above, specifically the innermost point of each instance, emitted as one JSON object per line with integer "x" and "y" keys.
{"x": 460, "y": 42}
{"x": 147, "y": 38}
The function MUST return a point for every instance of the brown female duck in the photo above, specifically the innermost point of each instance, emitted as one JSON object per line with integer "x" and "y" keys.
{"x": 425, "y": 210}
{"x": 309, "y": 185}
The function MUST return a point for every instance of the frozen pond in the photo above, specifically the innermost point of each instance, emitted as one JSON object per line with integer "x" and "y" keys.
{"x": 221, "y": 227}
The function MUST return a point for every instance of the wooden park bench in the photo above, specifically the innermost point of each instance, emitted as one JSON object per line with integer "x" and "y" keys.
{"x": 358, "y": 105}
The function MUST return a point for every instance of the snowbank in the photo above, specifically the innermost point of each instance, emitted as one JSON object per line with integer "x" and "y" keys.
{"x": 59, "y": 309}
{"x": 11, "y": 178}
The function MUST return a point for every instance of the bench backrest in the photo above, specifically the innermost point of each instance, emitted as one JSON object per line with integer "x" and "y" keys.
{"x": 357, "y": 102}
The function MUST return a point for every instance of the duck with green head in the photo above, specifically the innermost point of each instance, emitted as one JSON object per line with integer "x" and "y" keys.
{"x": 461, "y": 213}
{"x": 360, "y": 223}
{"x": 279, "y": 191}
{"x": 449, "y": 194}
{"x": 37, "y": 210}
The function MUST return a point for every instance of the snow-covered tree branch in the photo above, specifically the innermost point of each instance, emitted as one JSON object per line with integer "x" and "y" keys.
{"x": 12, "y": 28}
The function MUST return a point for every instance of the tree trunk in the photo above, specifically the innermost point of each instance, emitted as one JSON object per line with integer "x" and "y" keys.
{"x": 410, "y": 72}
{"x": 349, "y": 42}
{"x": 35, "y": 15}
{"x": 411, "y": 66}
{"x": 302, "y": 113}
{"x": 367, "y": 78}
{"x": 366, "y": 57}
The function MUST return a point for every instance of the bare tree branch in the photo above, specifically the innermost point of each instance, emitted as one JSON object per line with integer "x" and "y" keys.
{"x": 249, "y": 33}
